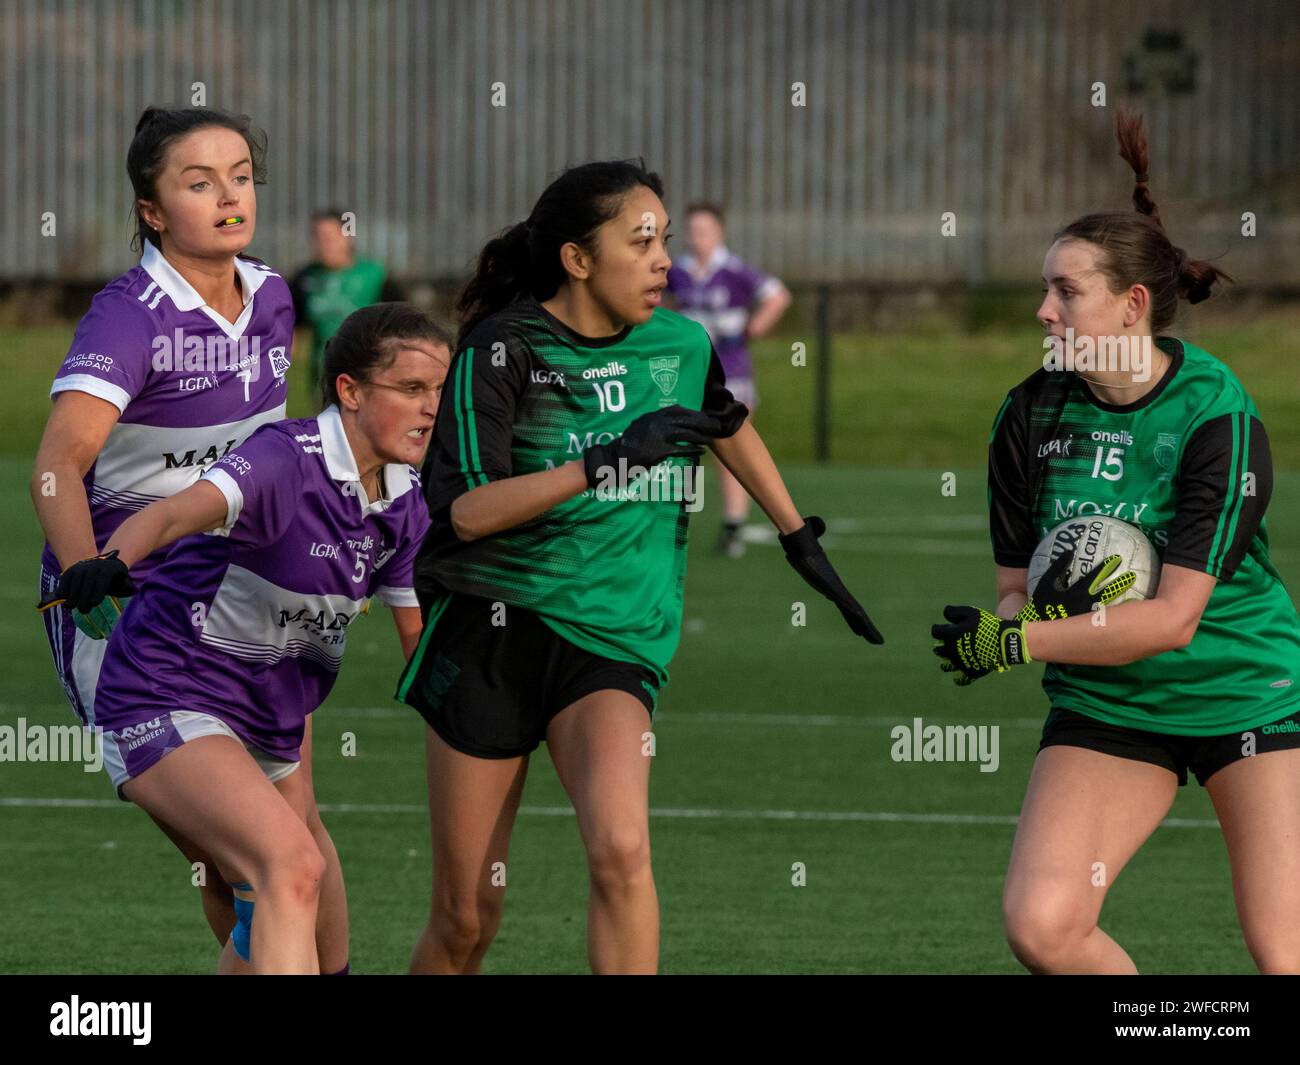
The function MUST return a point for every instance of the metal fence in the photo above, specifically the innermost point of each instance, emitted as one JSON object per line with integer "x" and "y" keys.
{"x": 911, "y": 109}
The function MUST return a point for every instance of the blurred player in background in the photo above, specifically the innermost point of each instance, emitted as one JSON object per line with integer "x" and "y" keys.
{"x": 204, "y": 720}
{"x": 177, "y": 362}
{"x": 551, "y": 583}
{"x": 335, "y": 284}
{"x": 1206, "y": 675}
{"x": 736, "y": 303}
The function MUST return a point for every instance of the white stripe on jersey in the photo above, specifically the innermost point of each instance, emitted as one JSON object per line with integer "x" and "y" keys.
{"x": 153, "y": 460}
{"x": 145, "y": 294}
{"x": 252, "y": 618}
{"x": 229, "y": 488}
{"x": 396, "y": 596}
{"x": 94, "y": 386}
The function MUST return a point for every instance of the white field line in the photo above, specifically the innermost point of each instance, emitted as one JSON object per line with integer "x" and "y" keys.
{"x": 887, "y": 816}
{"x": 686, "y": 717}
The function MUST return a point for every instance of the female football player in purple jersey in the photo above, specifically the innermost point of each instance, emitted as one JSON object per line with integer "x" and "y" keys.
{"x": 736, "y": 303}
{"x": 177, "y": 361}
{"x": 210, "y": 676}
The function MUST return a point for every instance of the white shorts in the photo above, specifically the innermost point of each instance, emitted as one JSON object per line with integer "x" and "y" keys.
{"x": 129, "y": 751}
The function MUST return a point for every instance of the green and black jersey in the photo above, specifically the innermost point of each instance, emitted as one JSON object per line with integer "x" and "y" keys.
{"x": 323, "y": 298}
{"x": 1189, "y": 464}
{"x": 525, "y": 393}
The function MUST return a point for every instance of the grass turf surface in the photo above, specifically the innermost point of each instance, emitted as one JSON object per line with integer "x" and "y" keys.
{"x": 773, "y": 742}
{"x": 762, "y": 720}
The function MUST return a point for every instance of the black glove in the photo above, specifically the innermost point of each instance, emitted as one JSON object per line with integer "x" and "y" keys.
{"x": 805, "y": 554}
{"x": 86, "y": 584}
{"x": 659, "y": 435}
{"x": 1053, "y": 599}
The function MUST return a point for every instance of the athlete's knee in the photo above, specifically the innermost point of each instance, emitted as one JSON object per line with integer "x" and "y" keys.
{"x": 619, "y": 858}
{"x": 1045, "y": 933}
{"x": 466, "y": 923}
{"x": 293, "y": 871}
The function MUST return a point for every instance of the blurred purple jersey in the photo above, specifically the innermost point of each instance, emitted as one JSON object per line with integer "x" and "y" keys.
{"x": 189, "y": 385}
{"x": 249, "y": 623}
{"x": 721, "y": 298}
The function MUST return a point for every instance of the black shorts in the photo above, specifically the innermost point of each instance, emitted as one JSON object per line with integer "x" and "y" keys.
{"x": 490, "y": 690}
{"x": 1203, "y": 755}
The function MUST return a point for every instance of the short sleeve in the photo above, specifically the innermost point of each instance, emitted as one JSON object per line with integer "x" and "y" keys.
{"x": 262, "y": 483}
{"x": 111, "y": 351}
{"x": 474, "y": 430}
{"x": 717, "y": 396}
{"x": 1011, "y": 526}
{"x": 1225, "y": 480}
{"x": 394, "y": 580}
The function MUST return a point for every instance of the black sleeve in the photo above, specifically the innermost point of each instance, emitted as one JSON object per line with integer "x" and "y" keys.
{"x": 474, "y": 429}
{"x": 391, "y": 292}
{"x": 1225, "y": 480}
{"x": 299, "y": 295}
{"x": 717, "y": 396}
{"x": 1010, "y": 524}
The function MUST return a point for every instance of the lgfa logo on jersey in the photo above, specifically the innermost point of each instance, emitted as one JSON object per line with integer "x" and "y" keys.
{"x": 664, "y": 371}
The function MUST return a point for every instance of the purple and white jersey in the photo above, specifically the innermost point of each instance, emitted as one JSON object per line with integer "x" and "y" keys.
{"x": 720, "y": 297}
{"x": 189, "y": 385}
{"x": 248, "y": 623}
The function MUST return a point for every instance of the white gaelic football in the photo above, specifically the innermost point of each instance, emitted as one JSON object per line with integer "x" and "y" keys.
{"x": 1093, "y": 537}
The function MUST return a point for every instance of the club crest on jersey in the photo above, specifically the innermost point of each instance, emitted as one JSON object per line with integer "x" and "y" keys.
{"x": 1165, "y": 449}
{"x": 663, "y": 371}
{"x": 279, "y": 363}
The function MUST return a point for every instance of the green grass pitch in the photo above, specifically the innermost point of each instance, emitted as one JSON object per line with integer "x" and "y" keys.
{"x": 773, "y": 742}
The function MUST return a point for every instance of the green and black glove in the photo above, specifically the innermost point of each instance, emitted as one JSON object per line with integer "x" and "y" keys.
{"x": 93, "y": 589}
{"x": 1053, "y": 599}
{"x": 979, "y": 643}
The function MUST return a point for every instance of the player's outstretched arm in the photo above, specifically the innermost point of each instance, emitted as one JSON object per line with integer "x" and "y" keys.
{"x": 88, "y": 583}
{"x": 747, "y": 457}
{"x": 199, "y": 508}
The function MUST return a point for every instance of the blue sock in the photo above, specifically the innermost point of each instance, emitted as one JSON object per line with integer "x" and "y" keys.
{"x": 240, "y": 937}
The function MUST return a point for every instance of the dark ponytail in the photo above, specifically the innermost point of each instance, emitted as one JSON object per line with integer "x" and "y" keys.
{"x": 368, "y": 341}
{"x": 157, "y": 129}
{"x": 524, "y": 260}
{"x": 1136, "y": 250}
